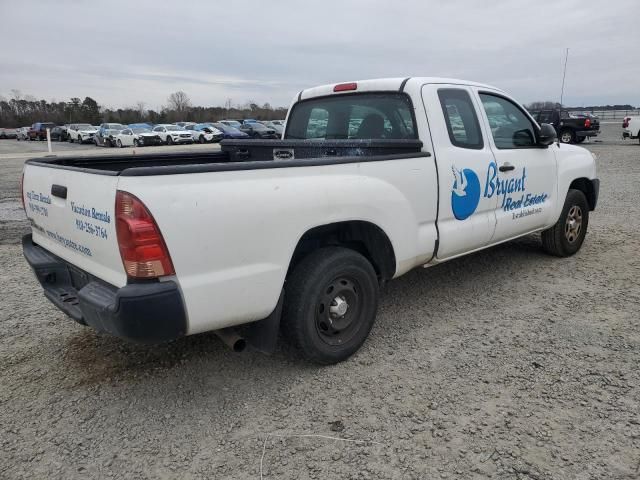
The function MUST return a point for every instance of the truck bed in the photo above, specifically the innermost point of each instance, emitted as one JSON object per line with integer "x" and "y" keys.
{"x": 240, "y": 155}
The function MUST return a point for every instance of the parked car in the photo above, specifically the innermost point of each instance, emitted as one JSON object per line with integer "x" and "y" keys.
{"x": 148, "y": 126}
{"x": 106, "y": 135}
{"x": 631, "y": 128}
{"x": 59, "y": 134}
{"x": 570, "y": 128}
{"x": 303, "y": 244}
{"x": 81, "y": 132}
{"x": 171, "y": 134}
{"x": 231, "y": 123}
{"x": 181, "y": 124}
{"x": 23, "y": 133}
{"x": 258, "y": 130}
{"x": 38, "y": 131}
{"x": 249, "y": 120}
{"x": 230, "y": 132}
{"x": 204, "y": 132}
{"x": 8, "y": 133}
{"x": 137, "y": 137}
{"x": 274, "y": 126}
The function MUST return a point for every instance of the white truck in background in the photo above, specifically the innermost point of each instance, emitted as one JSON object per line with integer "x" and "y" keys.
{"x": 631, "y": 128}
{"x": 370, "y": 180}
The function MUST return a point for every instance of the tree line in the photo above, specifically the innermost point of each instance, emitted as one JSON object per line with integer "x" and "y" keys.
{"x": 19, "y": 111}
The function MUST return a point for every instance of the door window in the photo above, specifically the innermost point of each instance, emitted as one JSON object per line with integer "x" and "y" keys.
{"x": 460, "y": 116}
{"x": 510, "y": 127}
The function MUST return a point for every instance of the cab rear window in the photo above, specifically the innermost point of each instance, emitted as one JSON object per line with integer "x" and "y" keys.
{"x": 353, "y": 116}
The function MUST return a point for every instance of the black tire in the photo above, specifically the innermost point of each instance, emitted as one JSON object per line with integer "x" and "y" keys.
{"x": 169, "y": 140}
{"x": 136, "y": 143}
{"x": 310, "y": 318}
{"x": 69, "y": 139}
{"x": 201, "y": 139}
{"x": 566, "y": 237}
{"x": 119, "y": 143}
{"x": 567, "y": 136}
{"x": 79, "y": 140}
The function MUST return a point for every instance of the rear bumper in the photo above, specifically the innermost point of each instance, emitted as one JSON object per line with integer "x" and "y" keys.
{"x": 142, "y": 312}
{"x": 587, "y": 133}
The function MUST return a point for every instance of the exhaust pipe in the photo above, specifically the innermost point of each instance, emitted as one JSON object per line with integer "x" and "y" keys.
{"x": 231, "y": 339}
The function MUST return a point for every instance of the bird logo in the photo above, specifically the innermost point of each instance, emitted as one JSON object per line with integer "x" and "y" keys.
{"x": 460, "y": 182}
{"x": 465, "y": 192}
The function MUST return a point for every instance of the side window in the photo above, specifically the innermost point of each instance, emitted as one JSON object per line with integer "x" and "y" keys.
{"x": 460, "y": 116}
{"x": 318, "y": 120}
{"x": 510, "y": 127}
{"x": 546, "y": 117}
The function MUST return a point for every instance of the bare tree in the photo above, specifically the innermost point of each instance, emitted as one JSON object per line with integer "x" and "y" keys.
{"x": 140, "y": 107}
{"x": 179, "y": 101}
{"x": 16, "y": 94}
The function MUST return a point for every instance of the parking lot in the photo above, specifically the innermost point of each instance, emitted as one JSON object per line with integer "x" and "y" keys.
{"x": 504, "y": 364}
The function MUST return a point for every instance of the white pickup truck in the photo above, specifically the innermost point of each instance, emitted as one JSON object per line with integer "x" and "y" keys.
{"x": 371, "y": 179}
{"x": 631, "y": 128}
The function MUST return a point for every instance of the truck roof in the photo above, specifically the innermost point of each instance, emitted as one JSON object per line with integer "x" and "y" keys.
{"x": 383, "y": 84}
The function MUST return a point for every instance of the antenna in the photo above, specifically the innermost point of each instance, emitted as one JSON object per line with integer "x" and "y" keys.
{"x": 564, "y": 74}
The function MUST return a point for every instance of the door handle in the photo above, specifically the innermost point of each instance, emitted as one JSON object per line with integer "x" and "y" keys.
{"x": 59, "y": 191}
{"x": 506, "y": 167}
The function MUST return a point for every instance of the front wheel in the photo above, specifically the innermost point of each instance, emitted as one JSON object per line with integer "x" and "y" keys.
{"x": 330, "y": 304}
{"x": 202, "y": 139}
{"x": 566, "y": 237}
{"x": 136, "y": 143}
{"x": 169, "y": 140}
{"x": 567, "y": 136}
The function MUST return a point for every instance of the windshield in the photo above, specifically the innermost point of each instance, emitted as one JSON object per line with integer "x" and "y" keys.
{"x": 84, "y": 126}
{"x": 356, "y": 116}
{"x": 174, "y": 128}
{"x": 115, "y": 126}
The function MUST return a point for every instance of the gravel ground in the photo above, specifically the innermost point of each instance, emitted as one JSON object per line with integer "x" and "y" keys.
{"x": 505, "y": 364}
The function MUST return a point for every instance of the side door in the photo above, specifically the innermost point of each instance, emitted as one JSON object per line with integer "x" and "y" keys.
{"x": 524, "y": 175}
{"x": 466, "y": 219}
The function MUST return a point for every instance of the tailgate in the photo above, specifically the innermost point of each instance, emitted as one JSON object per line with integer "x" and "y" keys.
{"x": 79, "y": 228}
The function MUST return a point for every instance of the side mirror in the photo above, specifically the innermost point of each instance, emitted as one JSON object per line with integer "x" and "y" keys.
{"x": 547, "y": 135}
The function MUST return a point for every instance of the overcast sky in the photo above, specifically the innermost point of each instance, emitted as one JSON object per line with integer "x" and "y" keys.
{"x": 122, "y": 52}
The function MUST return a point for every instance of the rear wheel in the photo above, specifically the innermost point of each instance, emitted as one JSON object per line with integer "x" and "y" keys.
{"x": 79, "y": 139}
{"x": 566, "y": 237}
{"x": 567, "y": 136}
{"x": 119, "y": 143}
{"x": 330, "y": 304}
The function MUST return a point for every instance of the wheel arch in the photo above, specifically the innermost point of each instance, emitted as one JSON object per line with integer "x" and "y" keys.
{"x": 361, "y": 236}
{"x": 587, "y": 187}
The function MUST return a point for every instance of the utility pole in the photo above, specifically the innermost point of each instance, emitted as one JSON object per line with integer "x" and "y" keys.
{"x": 564, "y": 74}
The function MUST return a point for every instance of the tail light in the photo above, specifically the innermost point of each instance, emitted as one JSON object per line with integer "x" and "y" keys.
{"x": 142, "y": 248}
{"x": 22, "y": 192}
{"x": 587, "y": 123}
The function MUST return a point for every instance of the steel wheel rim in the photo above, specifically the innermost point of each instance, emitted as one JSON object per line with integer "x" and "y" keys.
{"x": 338, "y": 311}
{"x": 573, "y": 224}
{"x": 566, "y": 137}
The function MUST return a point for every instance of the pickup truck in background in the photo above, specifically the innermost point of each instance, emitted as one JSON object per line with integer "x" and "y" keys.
{"x": 570, "y": 128}
{"x": 370, "y": 180}
{"x": 631, "y": 128}
{"x": 38, "y": 130}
